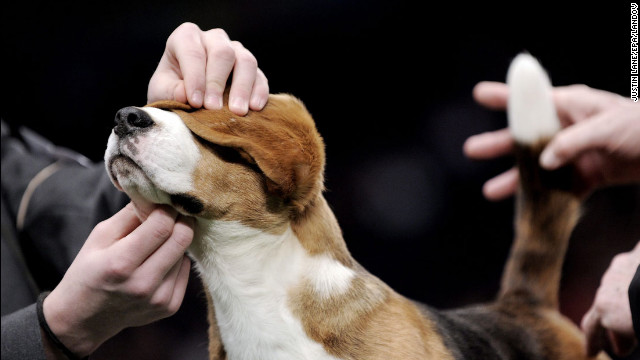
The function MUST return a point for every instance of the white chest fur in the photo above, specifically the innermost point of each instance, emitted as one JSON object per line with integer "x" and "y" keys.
{"x": 249, "y": 274}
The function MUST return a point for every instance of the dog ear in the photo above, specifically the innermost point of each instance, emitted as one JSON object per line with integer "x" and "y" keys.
{"x": 281, "y": 140}
{"x": 170, "y": 105}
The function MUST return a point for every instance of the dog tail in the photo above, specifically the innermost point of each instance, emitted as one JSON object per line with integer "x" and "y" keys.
{"x": 546, "y": 211}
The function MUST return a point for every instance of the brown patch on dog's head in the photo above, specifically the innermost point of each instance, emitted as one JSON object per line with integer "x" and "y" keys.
{"x": 281, "y": 140}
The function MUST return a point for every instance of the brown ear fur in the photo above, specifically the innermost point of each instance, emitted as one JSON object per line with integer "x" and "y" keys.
{"x": 281, "y": 139}
{"x": 169, "y": 105}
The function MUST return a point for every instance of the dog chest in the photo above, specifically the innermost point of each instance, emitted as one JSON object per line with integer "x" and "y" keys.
{"x": 250, "y": 276}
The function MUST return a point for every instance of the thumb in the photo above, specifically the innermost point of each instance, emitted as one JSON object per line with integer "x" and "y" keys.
{"x": 594, "y": 333}
{"x": 166, "y": 85}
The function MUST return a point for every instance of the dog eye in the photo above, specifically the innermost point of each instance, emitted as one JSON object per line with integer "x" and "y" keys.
{"x": 229, "y": 154}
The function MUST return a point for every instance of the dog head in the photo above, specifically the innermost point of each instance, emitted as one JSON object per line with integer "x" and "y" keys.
{"x": 263, "y": 168}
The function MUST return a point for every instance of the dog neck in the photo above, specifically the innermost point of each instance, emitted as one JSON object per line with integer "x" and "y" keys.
{"x": 251, "y": 275}
{"x": 291, "y": 295}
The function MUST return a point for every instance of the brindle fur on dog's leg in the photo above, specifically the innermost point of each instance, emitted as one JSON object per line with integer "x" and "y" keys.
{"x": 546, "y": 213}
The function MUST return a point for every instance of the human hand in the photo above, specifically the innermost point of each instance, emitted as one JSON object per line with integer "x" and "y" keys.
{"x": 609, "y": 321}
{"x": 600, "y": 138}
{"x": 127, "y": 274}
{"x": 195, "y": 66}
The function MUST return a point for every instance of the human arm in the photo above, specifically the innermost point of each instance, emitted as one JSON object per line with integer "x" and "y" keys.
{"x": 599, "y": 138}
{"x": 59, "y": 216}
{"x": 127, "y": 274}
{"x": 44, "y": 224}
{"x": 195, "y": 67}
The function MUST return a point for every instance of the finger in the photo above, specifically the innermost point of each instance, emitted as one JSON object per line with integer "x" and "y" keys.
{"x": 166, "y": 84}
{"x": 173, "y": 282}
{"x": 595, "y": 334}
{"x": 575, "y": 103}
{"x": 180, "y": 287}
{"x": 116, "y": 227}
{"x": 185, "y": 44}
{"x": 244, "y": 76}
{"x": 501, "y": 186}
{"x": 492, "y": 95}
{"x": 183, "y": 54}
{"x": 260, "y": 93}
{"x": 170, "y": 251}
{"x": 221, "y": 58}
{"x": 489, "y": 145}
{"x": 575, "y": 140}
{"x": 137, "y": 246}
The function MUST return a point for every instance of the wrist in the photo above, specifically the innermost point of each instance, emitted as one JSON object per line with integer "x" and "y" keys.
{"x": 67, "y": 327}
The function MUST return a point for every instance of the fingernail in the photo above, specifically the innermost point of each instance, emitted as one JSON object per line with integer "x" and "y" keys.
{"x": 258, "y": 102}
{"x": 470, "y": 145}
{"x": 239, "y": 104}
{"x": 549, "y": 160}
{"x": 213, "y": 102}
{"x": 493, "y": 188}
{"x": 196, "y": 98}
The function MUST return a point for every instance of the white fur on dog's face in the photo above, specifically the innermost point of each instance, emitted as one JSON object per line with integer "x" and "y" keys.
{"x": 165, "y": 163}
{"x": 155, "y": 163}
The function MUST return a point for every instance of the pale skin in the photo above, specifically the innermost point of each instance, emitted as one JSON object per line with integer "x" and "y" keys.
{"x": 132, "y": 270}
{"x": 195, "y": 67}
{"x": 600, "y": 139}
{"x": 128, "y": 273}
{"x": 609, "y": 318}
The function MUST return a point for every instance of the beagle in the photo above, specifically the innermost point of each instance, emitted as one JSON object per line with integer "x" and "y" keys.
{"x": 280, "y": 281}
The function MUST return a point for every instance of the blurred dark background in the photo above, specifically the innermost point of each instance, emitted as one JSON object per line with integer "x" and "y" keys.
{"x": 389, "y": 85}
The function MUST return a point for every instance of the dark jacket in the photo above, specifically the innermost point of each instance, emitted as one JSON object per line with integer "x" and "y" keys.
{"x": 634, "y": 302}
{"x": 43, "y": 228}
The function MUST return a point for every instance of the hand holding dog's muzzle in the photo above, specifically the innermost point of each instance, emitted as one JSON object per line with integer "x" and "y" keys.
{"x": 128, "y": 273}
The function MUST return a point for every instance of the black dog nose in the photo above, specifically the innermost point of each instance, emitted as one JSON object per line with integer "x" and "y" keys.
{"x": 131, "y": 119}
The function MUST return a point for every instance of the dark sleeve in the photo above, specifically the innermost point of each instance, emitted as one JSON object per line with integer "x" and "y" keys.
{"x": 20, "y": 329}
{"x": 634, "y": 301}
{"x": 51, "y": 200}
{"x": 56, "y": 215}
{"x": 21, "y": 337}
